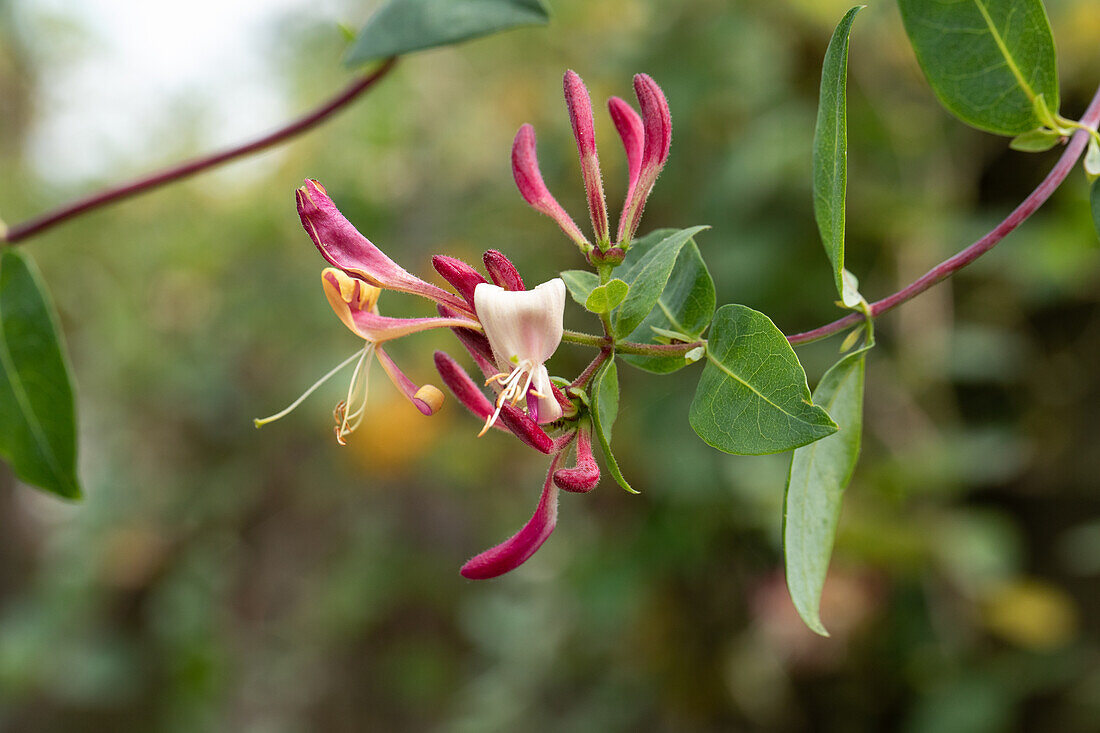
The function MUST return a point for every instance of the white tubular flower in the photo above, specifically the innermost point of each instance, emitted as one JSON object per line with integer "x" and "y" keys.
{"x": 524, "y": 327}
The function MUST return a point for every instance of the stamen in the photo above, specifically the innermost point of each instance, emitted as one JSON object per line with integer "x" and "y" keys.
{"x": 356, "y": 400}
{"x": 260, "y": 422}
{"x": 510, "y": 389}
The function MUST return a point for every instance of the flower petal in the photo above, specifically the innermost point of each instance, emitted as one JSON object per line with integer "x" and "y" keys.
{"x": 428, "y": 399}
{"x": 342, "y": 245}
{"x": 548, "y": 410}
{"x": 347, "y": 294}
{"x": 584, "y": 130}
{"x": 525, "y": 169}
{"x": 374, "y": 327}
{"x": 513, "y": 552}
{"x": 585, "y": 473}
{"x": 502, "y": 271}
{"x": 522, "y": 325}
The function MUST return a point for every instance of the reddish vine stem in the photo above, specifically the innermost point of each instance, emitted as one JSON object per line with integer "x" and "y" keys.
{"x": 24, "y": 230}
{"x": 953, "y": 264}
{"x": 590, "y": 370}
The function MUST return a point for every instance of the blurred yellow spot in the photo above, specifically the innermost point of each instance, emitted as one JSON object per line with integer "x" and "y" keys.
{"x": 395, "y": 437}
{"x": 1032, "y": 614}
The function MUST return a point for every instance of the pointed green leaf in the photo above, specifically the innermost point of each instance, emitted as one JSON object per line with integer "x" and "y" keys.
{"x": 830, "y": 157}
{"x": 986, "y": 60}
{"x": 685, "y": 306}
{"x": 580, "y": 284}
{"x": 1094, "y": 201}
{"x": 647, "y": 278}
{"x": 605, "y": 408}
{"x": 37, "y": 416}
{"x": 401, "y": 26}
{"x": 818, "y": 476}
{"x": 605, "y": 297}
{"x": 753, "y": 398}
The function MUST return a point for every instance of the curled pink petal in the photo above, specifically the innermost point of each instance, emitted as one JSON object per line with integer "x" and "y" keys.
{"x": 342, "y": 245}
{"x": 658, "y": 137}
{"x": 475, "y": 342}
{"x": 502, "y": 271}
{"x": 584, "y": 130}
{"x": 428, "y": 399}
{"x": 464, "y": 278}
{"x": 374, "y": 327}
{"x": 629, "y": 125}
{"x": 525, "y": 169}
{"x": 463, "y": 388}
{"x": 515, "y": 551}
{"x": 585, "y": 473}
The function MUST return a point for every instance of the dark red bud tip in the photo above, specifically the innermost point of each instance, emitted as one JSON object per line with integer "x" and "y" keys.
{"x": 656, "y": 119}
{"x": 584, "y": 475}
{"x": 502, "y": 271}
{"x": 461, "y": 276}
{"x": 584, "y": 130}
{"x": 526, "y": 429}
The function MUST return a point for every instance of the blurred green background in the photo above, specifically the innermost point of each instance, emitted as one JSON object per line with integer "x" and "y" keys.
{"x": 221, "y": 578}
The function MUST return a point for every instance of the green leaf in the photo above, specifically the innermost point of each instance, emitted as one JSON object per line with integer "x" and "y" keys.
{"x": 37, "y": 416}
{"x": 401, "y": 26}
{"x": 815, "y": 486}
{"x": 1094, "y": 200}
{"x": 685, "y": 306}
{"x": 604, "y": 298}
{"x": 580, "y": 284}
{"x": 753, "y": 398}
{"x": 605, "y": 408}
{"x": 647, "y": 279}
{"x": 830, "y": 156}
{"x": 1035, "y": 141}
{"x": 986, "y": 60}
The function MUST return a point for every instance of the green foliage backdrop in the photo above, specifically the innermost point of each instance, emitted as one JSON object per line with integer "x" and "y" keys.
{"x": 220, "y": 578}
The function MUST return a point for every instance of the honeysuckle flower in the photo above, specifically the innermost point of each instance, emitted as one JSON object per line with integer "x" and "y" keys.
{"x": 524, "y": 328}
{"x": 646, "y": 139}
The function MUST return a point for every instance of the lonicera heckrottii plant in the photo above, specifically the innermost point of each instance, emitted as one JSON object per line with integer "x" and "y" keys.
{"x": 991, "y": 64}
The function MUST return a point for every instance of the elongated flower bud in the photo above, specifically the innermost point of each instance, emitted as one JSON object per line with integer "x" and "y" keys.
{"x": 462, "y": 387}
{"x": 629, "y": 125}
{"x": 584, "y": 130}
{"x": 658, "y": 138}
{"x": 525, "y": 169}
{"x": 461, "y": 276}
{"x": 514, "y": 551}
{"x": 501, "y": 270}
{"x": 585, "y": 473}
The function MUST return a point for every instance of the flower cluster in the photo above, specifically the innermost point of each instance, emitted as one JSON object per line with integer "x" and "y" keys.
{"x": 509, "y": 331}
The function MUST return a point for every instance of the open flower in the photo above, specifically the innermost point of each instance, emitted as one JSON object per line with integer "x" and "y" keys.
{"x": 524, "y": 329}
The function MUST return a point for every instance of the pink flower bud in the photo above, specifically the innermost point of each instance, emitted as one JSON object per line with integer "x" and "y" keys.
{"x": 585, "y": 473}
{"x": 502, "y": 271}
{"x": 513, "y": 552}
{"x": 658, "y": 138}
{"x": 462, "y": 387}
{"x": 629, "y": 126}
{"x": 525, "y": 169}
{"x": 584, "y": 130}
{"x": 461, "y": 276}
